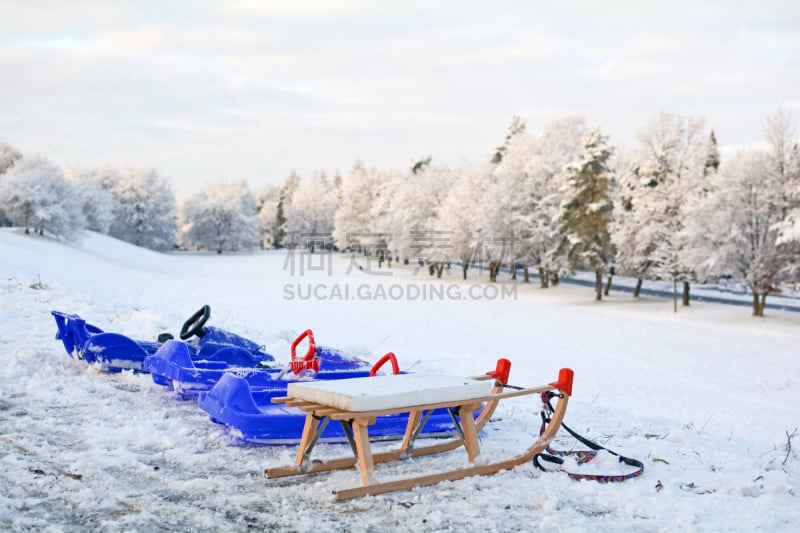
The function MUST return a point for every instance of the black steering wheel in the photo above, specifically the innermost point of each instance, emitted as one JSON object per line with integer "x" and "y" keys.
{"x": 194, "y": 326}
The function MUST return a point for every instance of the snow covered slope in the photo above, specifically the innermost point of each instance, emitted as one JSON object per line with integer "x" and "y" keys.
{"x": 704, "y": 397}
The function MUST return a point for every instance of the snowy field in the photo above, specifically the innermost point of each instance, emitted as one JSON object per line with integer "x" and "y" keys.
{"x": 703, "y": 397}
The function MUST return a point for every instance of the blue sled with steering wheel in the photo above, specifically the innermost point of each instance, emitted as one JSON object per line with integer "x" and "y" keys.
{"x": 115, "y": 352}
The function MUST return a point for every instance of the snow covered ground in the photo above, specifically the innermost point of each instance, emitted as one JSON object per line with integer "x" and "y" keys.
{"x": 704, "y": 397}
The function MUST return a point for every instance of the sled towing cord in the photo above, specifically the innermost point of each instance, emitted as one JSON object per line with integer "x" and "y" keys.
{"x": 582, "y": 456}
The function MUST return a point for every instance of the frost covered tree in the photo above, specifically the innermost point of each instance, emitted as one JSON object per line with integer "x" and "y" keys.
{"x": 8, "y": 156}
{"x": 144, "y": 209}
{"x": 309, "y": 217}
{"x": 413, "y": 204}
{"x": 385, "y": 216}
{"x": 663, "y": 176}
{"x": 267, "y": 204}
{"x": 35, "y": 195}
{"x": 789, "y": 228}
{"x": 97, "y": 202}
{"x": 746, "y": 202}
{"x": 290, "y": 185}
{"x": 712, "y": 156}
{"x": 526, "y": 194}
{"x": 223, "y": 217}
{"x": 634, "y": 240}
{"x": 751, "y": 202}
{"x": 586, "y": 208}
{"x": 498, "y": 243}
{"x": 515, "y": 129}
{"x": 97, "y": 205}
{"x": 337, "y": 184}
{"x": 459, "y": 212}
{"x": 354, "y": 222}
{"x": 421, "y": 165}
{"x": 780, "y": 132}
{"x": 496, "y": 232}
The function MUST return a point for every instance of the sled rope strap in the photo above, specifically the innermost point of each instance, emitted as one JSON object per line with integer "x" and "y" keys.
{"x": 408, "y": 442}
{"x": 321, "y": 423}
{"x": 582, "y": 456}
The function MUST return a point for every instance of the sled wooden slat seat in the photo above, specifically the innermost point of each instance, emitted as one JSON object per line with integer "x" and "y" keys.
{"x": 316, "y": 398}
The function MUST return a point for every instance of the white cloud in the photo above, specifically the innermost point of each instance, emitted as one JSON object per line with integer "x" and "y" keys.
{"x": 257, "y": 88}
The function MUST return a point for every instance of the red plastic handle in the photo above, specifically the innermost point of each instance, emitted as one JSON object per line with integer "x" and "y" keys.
{"x": 564, "y": 383}
{"x": 312, "y": 347}
{"x": 501, "y": 372}
{"x": 382, "y": 361}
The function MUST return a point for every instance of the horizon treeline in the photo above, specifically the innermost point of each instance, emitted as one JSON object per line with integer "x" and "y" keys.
{"x": 551, "y": 201}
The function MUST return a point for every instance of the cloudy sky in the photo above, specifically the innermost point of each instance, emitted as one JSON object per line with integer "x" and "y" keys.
{"x": 205, "y": 90}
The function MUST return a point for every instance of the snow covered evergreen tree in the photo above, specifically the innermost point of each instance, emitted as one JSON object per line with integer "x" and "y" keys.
{"x": 223, "y": 218}
{"x": 337, "y": 184}
{"x": 144, "y": 212}
{"x": 267, "y": 203}
{"x": 712, "y": 155}
{"x": 421, "y": 165}
{"x": 586, "y": 208}
{"x": 527, "y": 194}
{"x": 290, "y": 185}
{"x": 508, "y": 228}
{"x": 515, "y": 129}
{"x": 35, "y": 195}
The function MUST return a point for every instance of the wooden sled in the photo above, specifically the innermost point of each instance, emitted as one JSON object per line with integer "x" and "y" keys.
{"x": 321, "y": 405}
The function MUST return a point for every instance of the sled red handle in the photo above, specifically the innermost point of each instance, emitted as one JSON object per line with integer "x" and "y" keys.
{"x": 312, "y": 347}
{"x": 382, "y": 361}
{"x": 564, "y": 383}
{"x": 501, "y": 372}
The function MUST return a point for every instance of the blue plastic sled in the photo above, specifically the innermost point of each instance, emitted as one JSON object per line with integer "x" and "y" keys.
{"x": 114, "y": 352}
{"x": 173, "y": 365}
{"x": 250, "y": 417}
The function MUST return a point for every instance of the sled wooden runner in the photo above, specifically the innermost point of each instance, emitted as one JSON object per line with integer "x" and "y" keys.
{"x": 356, "y": 426}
